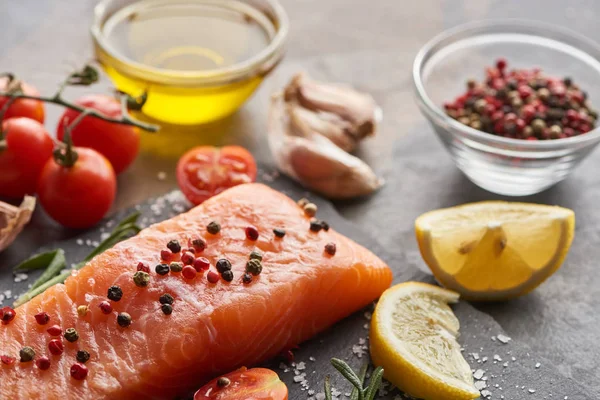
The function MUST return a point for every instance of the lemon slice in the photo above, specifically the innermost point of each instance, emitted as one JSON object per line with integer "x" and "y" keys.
{"x": 495, "y": 250}
{"x": 413, "y": 337}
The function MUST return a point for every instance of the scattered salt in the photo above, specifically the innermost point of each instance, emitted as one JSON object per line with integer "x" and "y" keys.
{"x": 478, "y": 374}
{"x": 503, "y": 338}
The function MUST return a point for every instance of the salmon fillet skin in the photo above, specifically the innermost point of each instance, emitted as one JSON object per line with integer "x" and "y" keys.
{"x": 214, "y": 328}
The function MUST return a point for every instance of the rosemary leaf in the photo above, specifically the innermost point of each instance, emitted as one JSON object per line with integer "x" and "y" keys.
{"x": 375, "y": 383}
{"x": 361, "y": 375}
{"x": 349, "y": 374}
{"x": 328, "y": 388}
{"x": 56, "y": 265}
{"x": 38, "y": 261}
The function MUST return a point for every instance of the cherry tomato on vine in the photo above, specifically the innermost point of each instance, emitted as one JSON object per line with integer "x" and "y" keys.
{"x": 245, "y": 384}
{"x": 28, "y": 147}
{"x": 80, "y": 195}
{"x": 205, "y": 171}
{"x": 120, "y": 144}
{"x": 29, "y": 108}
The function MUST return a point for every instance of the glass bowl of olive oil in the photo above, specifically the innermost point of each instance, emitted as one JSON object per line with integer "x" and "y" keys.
{"x": 198, "y": 60}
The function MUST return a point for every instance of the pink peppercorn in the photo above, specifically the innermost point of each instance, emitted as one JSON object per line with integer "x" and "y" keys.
{"x": 143, "y": 267}
{"x": 55, "y": 346}
{"x": 166, "y": 255}
{"x": 7, "y": 360}
{"x": 201, "y": 264}
{"x": 212, "y": 277}
{"x": 42, "y": 318}
{"x": 79, "y": 371}
{"x": 54, "y": 330}
{"x": 189, "y": 272}
{"x": 191, "y": 250}
{"x": 251, "y": 233}
{"x": 43, "y": 363}
{"x": 106, "y": 307}
{"x": 501, "y": 64}
{"x": 7, "y": 314}
{"x": 187, "y": 258}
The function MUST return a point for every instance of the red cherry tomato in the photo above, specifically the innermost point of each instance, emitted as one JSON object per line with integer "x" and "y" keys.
{"x": 205, "y": 171}
{"x": 78, "y": 196}
{"x": 120, "y": 144}
{"x": 245, "y": 384}
{"x": 28, "y": 147}
{"x": 29, "y": 108}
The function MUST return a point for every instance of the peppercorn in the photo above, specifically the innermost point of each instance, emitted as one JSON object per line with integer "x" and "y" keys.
{"x": 43, "y": 363}
{"x": 78, "y": 371}
{"x": 223, "y": 382}
{"x": 227, "y": 275}
{"x": 471, "y": 83}
{"x": 538, "y": 126}
{"x": 82, "y": 356}
{"x": 251, "y": 233}
{"x": 254, "y": 267}
{"x": 115, "y": 293}
{"x": 166, "y": 255}
{"x": 567, "y": 81}
{"x": 201, "y": 264}
{"x": 105, "y": 307}
{"x": 212, "y": 277}
{"x": 255, "y": 255}
{"x": 71, "y": 335}
{"x": 82, "y": 310}
{"x": 174, "y": 246}
{"x": 555, "y": 131}
{"x": 7, "y": 314}
{"x": 247, "y": 278}
{"x": 27, "y": 354}
{"x": 476, "y": 125}
{"x": 176, "y": 266}
{"x": 141, "y": 279}
{"x": 54, "y": 330}
{"x": 166, "y": 299}
{"x": 167, "y": 309}
{"x": 479, "y": 105}
{"x": 516, "y": 102}
{"x": 42, "y": 318}
{"x": 213, "y": 228}
{"x": 501, "y": 64}
{"x": 189, "y": 272}
{"x": 279, "y": 233}
{"x": 124, "y": 319}
{"x": 191, "y": 250}
{"x": 143, "y": 267}
{"x": 162, "y": 269}
{"x": 199, "y": 244}
{"x": 56, "y": 347}
{"x": 543, "y": 93}
{"x": 187, "y": 258}
{"x": 330, "y": 248}
{"x": 315, "y": 225}
{"x": 223, "y": 265}
{"x": 464, "y": 120}
{"x": 302, "y": 202}
{"x": 310, "y": 209}
{"x": 527, "y": 131}
{"x": 7, "y": 360}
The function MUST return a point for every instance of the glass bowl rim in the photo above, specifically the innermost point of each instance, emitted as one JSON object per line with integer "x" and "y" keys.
{"x": 477, "y": 28}
{"x": 197, "y": 78}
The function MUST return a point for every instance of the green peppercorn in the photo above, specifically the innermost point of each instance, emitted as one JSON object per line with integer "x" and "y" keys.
{"x": 502, "y": 93}
{"x": 255, "y": 255}
{"x": 302, "y": 202}
{"x": 82, "y": 356}
{"x": 247, "y": 278}
{"x": 555, "y": 131}
{"x": 124, "y": 320}
{"x": 27, "y": 354}
{"x": 475, "y": 125}
{"x": 227, "y": 275}
{"x": 538, "y": 126}
{"x": 543, "y": 93}
{"x": 223, "y": 265}
{"x": 527, "y": 131}
{"x": 71, "y": 335}
{"x": 176, "y": 266}
{"x": 213, "y": 228}
{"x": 174, "y": 246}
{"x": 279, "y": 232}
{"x": 166, "y": 299}
{"x": 254, "y": 267}
{"x": 141, "y": 279}
{"x": 315, "y": 225}
{"x": 310, "y": 209}
{"x": 115, "y": 293}
{"x": 167, "y": 309}
{"x": 516, "y": 102}
{"x": 223, "y": 382}
{"x": 162, "y": 269}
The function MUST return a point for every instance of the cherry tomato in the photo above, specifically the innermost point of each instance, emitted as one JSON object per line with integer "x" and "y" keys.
{"x": 205, "y": 171}
{"x": 120, "y": 144}
{"x": 29, "y": 108}
{"x": 29, "y": 146}
{"x": 245, "y": 384}
{"x": 78, "y": 196}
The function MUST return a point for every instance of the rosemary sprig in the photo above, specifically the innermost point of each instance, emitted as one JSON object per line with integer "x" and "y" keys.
{"x": 126, "y": 228}
{"x": 357, "y": 381}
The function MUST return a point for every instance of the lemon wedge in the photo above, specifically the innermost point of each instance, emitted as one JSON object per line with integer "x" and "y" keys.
{"x": 495, "y": 250}
{"x": 413, "y": 337}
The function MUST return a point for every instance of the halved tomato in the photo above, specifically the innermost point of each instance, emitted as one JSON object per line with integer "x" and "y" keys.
{"x": 245, "y": 384}
{"x": 205, "y": 171}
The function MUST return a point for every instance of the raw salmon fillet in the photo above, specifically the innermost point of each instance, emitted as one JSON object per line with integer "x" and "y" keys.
{"x": 214, "y": 328}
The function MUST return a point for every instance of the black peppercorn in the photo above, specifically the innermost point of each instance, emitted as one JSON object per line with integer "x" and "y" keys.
{"x": 223, "y": 265}
{"x": 124, "y": 320}
{"x": 167, "y": 309}
{"x": 325, "y": 226}
{"x": 330, "y": 248}
{"x": 82, "y": 356}
{"x": 227, "y": 275}
{"x": 71, "y": 335}
{"x": 279, "y": 232}
{"x": 213, "y": 228}
{"x": 568, "y": 81}
{"x": 223, "y": 382}
{"x": 174, "y": 246}
{"x": 162, "y": 269}
{"x": 247, "y": 278}
{"x": 315, "y": 225}
{"x": 166, "y": 299}
{"x": 115, "y": 293}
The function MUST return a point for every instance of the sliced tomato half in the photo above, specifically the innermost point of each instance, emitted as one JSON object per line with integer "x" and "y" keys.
{"x": 245, "y": 384}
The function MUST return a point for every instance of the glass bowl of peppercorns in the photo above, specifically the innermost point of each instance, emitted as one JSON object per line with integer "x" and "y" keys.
{"x": 512, "y": 101}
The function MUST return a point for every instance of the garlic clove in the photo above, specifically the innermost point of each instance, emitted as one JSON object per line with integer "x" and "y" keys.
{"x": 13, "y": 220}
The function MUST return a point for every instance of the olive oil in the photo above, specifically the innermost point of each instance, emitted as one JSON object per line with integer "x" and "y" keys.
{"x": 171, "y": 41}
